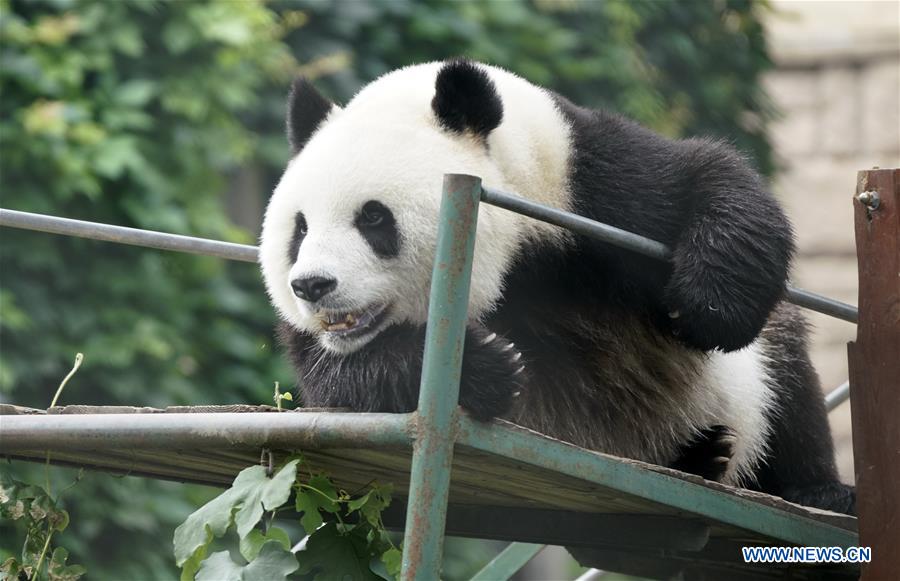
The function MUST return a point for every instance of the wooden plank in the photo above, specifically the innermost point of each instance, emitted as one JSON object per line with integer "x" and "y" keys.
{"x": 875, "y": 371}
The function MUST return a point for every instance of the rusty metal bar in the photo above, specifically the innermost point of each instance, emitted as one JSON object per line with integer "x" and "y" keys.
{"x": 874, "y": 370}
{"x": 436, "y": 416}
{"x": 123, "y": 235}
{"x": 287, "y": 430}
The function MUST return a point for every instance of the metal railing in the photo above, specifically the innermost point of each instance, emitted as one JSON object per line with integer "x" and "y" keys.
{"x": 437, "y": 428}
{"x": 248, "y": 253}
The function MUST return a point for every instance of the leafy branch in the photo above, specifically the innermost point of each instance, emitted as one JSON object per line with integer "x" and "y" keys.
{"x": 42, "y": 516}
{"x": 345, "y": 535}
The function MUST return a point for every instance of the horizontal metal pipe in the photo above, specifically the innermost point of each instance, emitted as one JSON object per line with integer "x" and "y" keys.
{"x": 824, "y": 305}
{"x": 123, "y": 235}
{"x": 576, "y": 223}
{"x": 247, "y": 253}
{"x": 288, "y": 430}
{"x": 839, "y": 395}
{"x": 642, "y": 245}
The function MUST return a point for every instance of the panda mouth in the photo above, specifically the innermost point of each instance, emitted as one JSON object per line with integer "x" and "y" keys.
{"x": 347, "y": 324}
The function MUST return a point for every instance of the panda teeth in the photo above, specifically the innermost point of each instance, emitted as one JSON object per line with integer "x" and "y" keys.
{"x": 344, "y": 323}
{"x": 349, "y": 322}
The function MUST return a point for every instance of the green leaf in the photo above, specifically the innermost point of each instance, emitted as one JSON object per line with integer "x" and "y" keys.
{"x": 372, "y": 504}
{"x": 243, "y": 504}
{"x": 11, "y": 569}
{"x": 325, "y": 493}
{"x": 330, "y": 555}
{"x": 273, "y": 562}
{"x": 305, "y": 502}
{"x": 392, "y": 559}
{"x": 251, "y": 544}
{"x": 219, "y": 567}
{"x": 59, "y": 571}
{"x": 318, "y": 494}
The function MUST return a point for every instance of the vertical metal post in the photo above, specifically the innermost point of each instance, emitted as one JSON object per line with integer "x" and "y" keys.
{"x": 436, "y": 422}
{"x": 875, "y": 369}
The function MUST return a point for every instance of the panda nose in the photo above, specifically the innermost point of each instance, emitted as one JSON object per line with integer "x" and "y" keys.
{"x": 313, "y": 288}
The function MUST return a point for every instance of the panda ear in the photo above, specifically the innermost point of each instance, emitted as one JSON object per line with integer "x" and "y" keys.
{"x": 306, "y": 110}
{"x": 466, "y": 99}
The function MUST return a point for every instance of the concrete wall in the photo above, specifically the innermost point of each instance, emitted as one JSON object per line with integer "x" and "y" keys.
{"x": 837, "y": 83}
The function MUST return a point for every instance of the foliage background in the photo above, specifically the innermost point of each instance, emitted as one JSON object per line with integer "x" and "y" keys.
{"x": 148, "y": 113}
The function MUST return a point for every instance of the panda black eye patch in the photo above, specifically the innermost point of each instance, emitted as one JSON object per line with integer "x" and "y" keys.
{"x": 377, "y": 225}
{"x": 297, "y": 237}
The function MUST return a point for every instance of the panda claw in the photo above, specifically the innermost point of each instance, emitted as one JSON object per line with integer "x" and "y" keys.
{"x": 489, "y": 339}
{"x": 519, "y": 370}
{"x": 674, "y": 314}
{"x": 517, "y": 393}
{"x": 507, "y": 347}
{"x": 516, "y": 357}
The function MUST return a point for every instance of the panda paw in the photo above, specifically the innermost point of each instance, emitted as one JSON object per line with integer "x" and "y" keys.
{"x": 493, "y": 374}
{"x": 706, "y": 310}
{"x": 709, "y": 455}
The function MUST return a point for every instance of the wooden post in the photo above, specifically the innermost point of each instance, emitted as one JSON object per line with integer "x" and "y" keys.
{"x": 875, "y": 371}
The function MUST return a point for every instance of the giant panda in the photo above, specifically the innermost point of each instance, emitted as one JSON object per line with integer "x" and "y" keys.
{"x": 696, "y": 364}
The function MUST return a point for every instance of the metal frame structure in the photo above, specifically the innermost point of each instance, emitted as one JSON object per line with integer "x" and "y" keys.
{"x": 436, "y": 427}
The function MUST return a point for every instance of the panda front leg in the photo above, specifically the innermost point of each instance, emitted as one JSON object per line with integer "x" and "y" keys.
{"x": 493, "y": 374}
{"x": 384, "y": 375}
{"x": 731, "y": 256}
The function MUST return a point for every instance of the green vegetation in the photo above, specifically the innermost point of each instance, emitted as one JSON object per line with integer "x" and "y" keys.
{"x": 147, "y": 113}
{"x": 349, "y": 545}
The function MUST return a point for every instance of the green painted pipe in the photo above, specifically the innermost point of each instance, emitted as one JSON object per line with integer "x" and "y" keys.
{"x": 508, "y": 562}
{"x": 436, "y": 417}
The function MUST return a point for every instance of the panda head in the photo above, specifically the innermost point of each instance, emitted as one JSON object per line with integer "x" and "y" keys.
{"x": 349, "y": 234}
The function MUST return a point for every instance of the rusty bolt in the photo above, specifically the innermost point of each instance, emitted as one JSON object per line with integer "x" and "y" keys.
{"x": 869, "y": 199}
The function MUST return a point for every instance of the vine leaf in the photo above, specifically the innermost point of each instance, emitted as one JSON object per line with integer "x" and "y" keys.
{"x": 273, "y": 562}
{"x": 331, "y": 555}
{"x": 59, "y": 571}
{"x": 253, "y": 542}
{"x": 318, "y": 494}
{"x": 243, "y": 504}
{"x": 219, "y": 567}
{"x": 392, "y": 559}
{"x": 372, "y": 503}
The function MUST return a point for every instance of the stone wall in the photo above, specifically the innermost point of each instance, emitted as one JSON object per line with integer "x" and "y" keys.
{"x": 837, "y": 85}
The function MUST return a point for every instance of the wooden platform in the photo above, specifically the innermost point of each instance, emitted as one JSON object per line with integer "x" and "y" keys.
{"x": 507, "y": 482}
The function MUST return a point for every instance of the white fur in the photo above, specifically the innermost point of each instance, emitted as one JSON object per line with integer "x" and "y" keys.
{"x": 387, "y": 145}
{"x": 740, "y": 382}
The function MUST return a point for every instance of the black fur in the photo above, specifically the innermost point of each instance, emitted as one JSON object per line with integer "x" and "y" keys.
{"x": 377, "y": 225}
{"x": 731, "y": 243}
{"x": 297, "y": 237}
{"x": 800, "y": 463}
{"x": 709, "y": 454}
{"x": 465, "y": 99}
{"x": 307, "y": 108}
{"x": 384, "y": 375}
